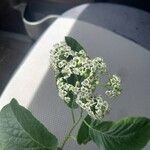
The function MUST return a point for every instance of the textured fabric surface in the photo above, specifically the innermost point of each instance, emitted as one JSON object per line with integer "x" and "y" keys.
{"x": 34, "y": 85}
{"x": 129, "y": 22}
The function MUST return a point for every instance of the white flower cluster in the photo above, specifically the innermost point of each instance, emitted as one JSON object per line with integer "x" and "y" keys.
{"x": 77, "y": 77}
{"x": 114, "y": 87}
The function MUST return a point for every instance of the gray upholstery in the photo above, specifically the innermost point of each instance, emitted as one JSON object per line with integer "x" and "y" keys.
{"x": 126, "y": 21}
{"x": 34, "y": 86}
{"x": 33, "y": 83}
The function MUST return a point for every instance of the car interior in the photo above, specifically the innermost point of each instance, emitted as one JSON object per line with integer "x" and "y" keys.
{"x": 23, "y": 21}
{"x": 118, "y": 29}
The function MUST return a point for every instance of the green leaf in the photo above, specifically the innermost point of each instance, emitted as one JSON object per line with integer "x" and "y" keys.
{"x": 0, "y": 146}
{"x": 73, "y": 44}
{"x": 83, "y": 136}
{"x": 127, "y": 134}
{"x": 19, "y": 130}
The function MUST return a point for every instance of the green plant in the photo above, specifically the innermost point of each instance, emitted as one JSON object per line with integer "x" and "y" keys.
{"x": 77, "y": 78}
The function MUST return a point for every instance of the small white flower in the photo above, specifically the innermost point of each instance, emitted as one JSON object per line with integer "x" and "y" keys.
{"x": 59, "y": 80}
{"x": 66, "y": 70}
{"x": 73, "y": 63}
{"x": 98, "y": 60}
{"x": 84, "y": 89}
{"x": 66, "y": 54}
{"x": 86, "y": 82}
{"x": 76, "y": 71}
{"x": 62, "y": 94}
{"x": 90, "y": 104}
{"x": 67, "y": 99}
{"x": 114, "y": 86}
{"x": 82, "y": 53}
{"x": 81, "y": 104}
{"x": 62, "y": 63}
{"x": 68, "y": 48}
{"x": 76, "y": 90}
{"x": 100, "y": 65}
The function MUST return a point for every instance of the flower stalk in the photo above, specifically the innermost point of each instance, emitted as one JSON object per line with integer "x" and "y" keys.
{"x": 68, "y": 136}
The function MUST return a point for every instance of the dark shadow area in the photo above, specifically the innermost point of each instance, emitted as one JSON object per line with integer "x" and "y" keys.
{"x": 10, "y": 19}
{"x": 13, "y": 48}
{"x": 37, "y": 10}
{"x": 12, "y": 22}
{"x": 141, "y": 4}
{"x": 129, "y": 22}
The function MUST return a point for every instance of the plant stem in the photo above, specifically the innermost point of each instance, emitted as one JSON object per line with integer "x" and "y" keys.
{"x": 73, "y": 117}
{"x": 67, "y": 137}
